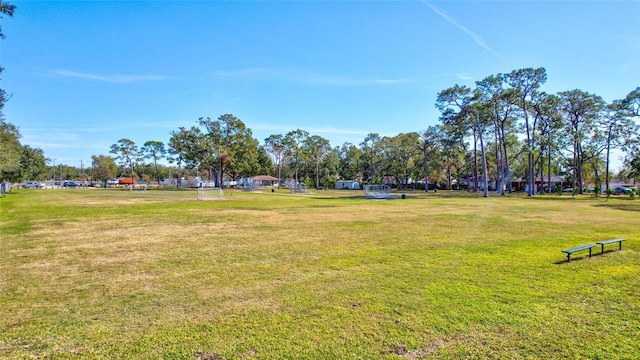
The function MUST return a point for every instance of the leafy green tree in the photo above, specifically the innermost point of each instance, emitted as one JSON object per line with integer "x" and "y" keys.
{"x": 618, "y": 128}
{"x": 187, "y": 146}
{"x": 33, "y": 164}
{"x": 245, "y": 156}
{"x": 230, "y": 143}
{"x": 275, "y": 147}
{"x": 631, "y": 167}
{"x": 526, "y": 83}
{"x": 329, "y": 168}
{"x": 154, "y": 150}
{"x": 315, "y": 148}
{"x": 581, "y": 112}
{"x": 549, "y": 122}
{"x": 452, "y": 154}
{"x": 264, "y": 162}
{"x": 103, "y": 168}
{"x": 502, "y": 104}
{"x": 10, "y": 151}
{"x": 350, "y": 158}
{"x": 461, "y": 111}
{"x": 429, "y": 142}
{"x": 401, "y": 157}
{"x": 371, "y": 158}
{"x": 294, "y": 141}
{"x": 128, "y": 153}
{"x": 66, "y": 172}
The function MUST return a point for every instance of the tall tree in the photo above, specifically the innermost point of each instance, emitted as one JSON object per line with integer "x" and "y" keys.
{"x": 316, "y": 148}
{"x": 550, "y": 121}
{"x": 265, "y": 163}
{"x": 154, "y": 150}
{"x": 9, "y": 134}
{"x": 631, "y": 167}
{"x": 618, "y": 128}
{"x": 294, "y": 141}
{"x": 10, "y": 151}
{"x": 275, "y": 146}
{"x": 526, "y": 83}
{"x": 230, "y": 143}
{"x": 428, "y": 144}
{"x": 402, "y": 157}
{"x": 581, "y": 111}
{"x": 103, "y": 168}
{"x": 632, "y": 159}
{"x": 371, "y": 157}
{"x": 458, "y": 104}
{"x": 329, "y": 167}
{"x": 350, "y": 161}
{"x": 502, "y": 103}
{"x": 128, "y": 153}
{"x": 180, "y": 150}
{"x": 33, "y": 164}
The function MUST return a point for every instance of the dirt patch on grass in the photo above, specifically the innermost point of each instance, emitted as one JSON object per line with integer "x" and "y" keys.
{"x": 208, "y": 355}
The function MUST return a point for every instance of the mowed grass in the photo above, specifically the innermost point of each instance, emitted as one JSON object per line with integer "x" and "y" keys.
{"x": 118, "y": 274}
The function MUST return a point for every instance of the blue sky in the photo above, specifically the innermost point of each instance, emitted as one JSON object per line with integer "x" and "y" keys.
{"x": 84, "y": 74}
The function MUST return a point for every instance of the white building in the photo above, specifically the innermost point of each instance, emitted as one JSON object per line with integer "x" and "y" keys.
{"x": 347, "y": 185}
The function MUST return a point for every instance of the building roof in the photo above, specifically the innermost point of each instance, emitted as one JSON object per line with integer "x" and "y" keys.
{"x": 265, "y": 178}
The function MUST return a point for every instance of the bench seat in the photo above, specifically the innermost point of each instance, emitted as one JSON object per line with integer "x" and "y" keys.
{"x": 611, "y": 241}
{"x": 578, "y": 248}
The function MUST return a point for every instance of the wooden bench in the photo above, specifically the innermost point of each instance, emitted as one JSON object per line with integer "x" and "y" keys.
{"x": 611, "y": 241}
{"x": 578, "y": 248}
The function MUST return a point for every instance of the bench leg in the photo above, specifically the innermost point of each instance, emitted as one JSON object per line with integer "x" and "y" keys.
{"x": 620, "y": 242}
{"x": 568, "y": 257}
{"x": 602, "y": 248}
{"x": 590, "y": 252}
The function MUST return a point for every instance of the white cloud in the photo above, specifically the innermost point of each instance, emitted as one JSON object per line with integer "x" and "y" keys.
{"x": 108, "y": 78}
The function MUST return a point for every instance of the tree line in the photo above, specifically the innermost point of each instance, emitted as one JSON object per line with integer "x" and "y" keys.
{"x": 504, "y": 128}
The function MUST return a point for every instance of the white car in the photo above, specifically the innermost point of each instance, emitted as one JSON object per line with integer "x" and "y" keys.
{"x": 32, "y": 185}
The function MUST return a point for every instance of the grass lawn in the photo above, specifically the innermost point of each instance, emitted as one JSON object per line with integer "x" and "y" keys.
{"x": 92, "y": 273}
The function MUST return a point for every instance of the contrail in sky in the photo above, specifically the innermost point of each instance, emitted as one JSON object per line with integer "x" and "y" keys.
{"x": 475, "y": 37}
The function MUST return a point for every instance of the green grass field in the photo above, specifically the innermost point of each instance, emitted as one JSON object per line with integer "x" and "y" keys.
{"x": 92, "y": 273}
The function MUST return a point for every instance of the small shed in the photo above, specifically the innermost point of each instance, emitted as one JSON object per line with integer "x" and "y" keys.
{"x": 347, "y": 185}
{"x": 265, "y": 180}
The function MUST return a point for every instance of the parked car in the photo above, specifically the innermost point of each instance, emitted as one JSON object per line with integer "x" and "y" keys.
{"x": 70, "y": 184}
{"x": 32, "y": 185}
{"x": 621, "y": 190}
